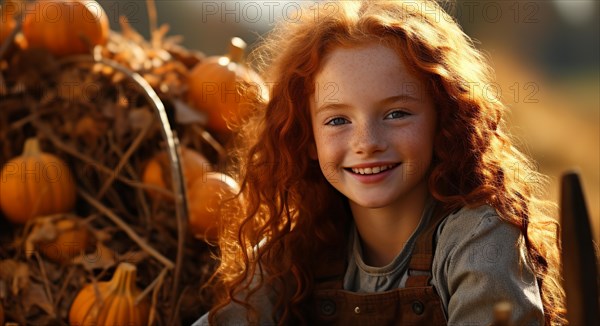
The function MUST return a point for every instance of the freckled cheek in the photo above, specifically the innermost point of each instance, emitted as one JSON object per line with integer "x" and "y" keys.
{"x": 331, "y": 157}
{"x": 417, "y": 144}
{"x": 330, "y": 150}
{"x": 330, "y": 153}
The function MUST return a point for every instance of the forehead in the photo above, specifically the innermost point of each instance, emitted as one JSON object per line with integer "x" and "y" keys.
{"x": 372, "y": 70}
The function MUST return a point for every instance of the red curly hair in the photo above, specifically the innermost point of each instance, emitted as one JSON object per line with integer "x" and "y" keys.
{"x": 294, "y": 210}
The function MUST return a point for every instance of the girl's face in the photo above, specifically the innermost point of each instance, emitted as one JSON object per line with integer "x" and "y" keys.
{"x": 374, "y": 125}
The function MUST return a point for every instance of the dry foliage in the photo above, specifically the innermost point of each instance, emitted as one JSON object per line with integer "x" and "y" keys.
{"x": 99, "y": 121}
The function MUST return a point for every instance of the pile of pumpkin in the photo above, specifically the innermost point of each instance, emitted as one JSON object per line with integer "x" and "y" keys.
{"x": 41, "y": 191}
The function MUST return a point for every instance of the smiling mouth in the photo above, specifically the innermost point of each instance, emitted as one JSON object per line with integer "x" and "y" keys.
{"x": 372, "y": 170}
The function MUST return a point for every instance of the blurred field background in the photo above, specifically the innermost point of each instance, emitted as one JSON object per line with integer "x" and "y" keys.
{"x": 546, "y": 55}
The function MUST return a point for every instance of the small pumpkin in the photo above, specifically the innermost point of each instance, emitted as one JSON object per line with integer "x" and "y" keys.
{"x": 213, "y": 87}
{"x": 206, "y": 198}
{"x": 34, "y": 184}
{"x": 66, "y": 27}
{"x": 113, "y": 303}
{"x": 158, "y": 170}
{"x": 71, "y": 240}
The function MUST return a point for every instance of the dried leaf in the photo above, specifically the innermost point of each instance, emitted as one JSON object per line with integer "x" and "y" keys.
{"x": 134, "y": 257}
{"x": 170, "y": 66}
{"x": 103, "y": 258}
{"x": 129, "y": 32}
{"x": 35, "y": 295}
{"x": 102, "y": 235}
{"x": 161, "y": 54}
{"x": 16, "y": 274}
{"x": 171, "y": 41}
{"x": 159, "y": 34}
{"x": 43, "y": 231}
{"x": 185, "y": 56}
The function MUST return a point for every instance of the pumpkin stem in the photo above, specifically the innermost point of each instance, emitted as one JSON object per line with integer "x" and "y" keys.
{"x": 236, "y": 49}
{"x": 124, "y": 278}
{"x": 31, "y": 147}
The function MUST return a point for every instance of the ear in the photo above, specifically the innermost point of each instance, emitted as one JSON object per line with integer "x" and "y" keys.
{"x": 312, "y": 151}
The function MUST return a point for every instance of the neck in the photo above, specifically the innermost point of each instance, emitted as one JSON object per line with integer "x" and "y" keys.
{"x": 385, "y": 231}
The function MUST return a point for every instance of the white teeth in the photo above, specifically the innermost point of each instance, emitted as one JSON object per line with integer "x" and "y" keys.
{"x": 373, "y": 170}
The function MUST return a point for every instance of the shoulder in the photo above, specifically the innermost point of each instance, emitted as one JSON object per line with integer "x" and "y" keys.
{"x": 477, "y": 237}
{"x": 480, "y": 260}
{"x": 475, "y": 225}
{"x": 468, "y": 218}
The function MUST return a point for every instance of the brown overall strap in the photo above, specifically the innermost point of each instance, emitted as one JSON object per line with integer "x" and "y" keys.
{"x": 421, "y": 259}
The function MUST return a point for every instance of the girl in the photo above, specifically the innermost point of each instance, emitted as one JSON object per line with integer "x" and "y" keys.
{"x": 378, "y": 179}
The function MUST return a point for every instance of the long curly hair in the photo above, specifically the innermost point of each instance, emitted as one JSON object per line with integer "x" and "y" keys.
{"x": 294, "y": 212}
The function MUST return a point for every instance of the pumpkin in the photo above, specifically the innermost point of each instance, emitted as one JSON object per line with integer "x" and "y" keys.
{"x": 71, "y": 240}
{"x": 35, "y": 184}
{"x": 113, "y": 303}
{"x": 206, "y": 197}
{"x": 212, "y": 87}
{"x": 66, "y": 27}
{"x": 158, "y": 170}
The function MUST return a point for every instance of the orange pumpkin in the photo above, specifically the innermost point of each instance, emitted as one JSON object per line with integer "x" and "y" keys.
{"x": 72, "y": 239}
{"x": 213, "y": 87}
{"x": 158, "y": 170}
{"x": 113, "y": 303}
{"x": 206, "y": 197}
{"x": 35, "y": 184}
{"x": 66, "y": 27}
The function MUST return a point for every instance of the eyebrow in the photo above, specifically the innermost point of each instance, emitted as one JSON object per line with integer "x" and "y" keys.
{"x": 389, "y": 100}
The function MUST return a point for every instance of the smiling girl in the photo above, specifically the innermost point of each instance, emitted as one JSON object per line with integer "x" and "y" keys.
{"x": 378, "y": 182}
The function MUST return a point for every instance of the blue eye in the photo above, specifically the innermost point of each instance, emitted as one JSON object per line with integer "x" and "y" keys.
{"x": 336, "y": 121}
{"x": 398, "y": 114}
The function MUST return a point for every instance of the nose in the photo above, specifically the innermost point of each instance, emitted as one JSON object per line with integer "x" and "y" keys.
{"x": 368, "y": 138}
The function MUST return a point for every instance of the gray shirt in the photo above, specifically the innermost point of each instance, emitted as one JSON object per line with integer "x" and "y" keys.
{"x": 479, "y": 260}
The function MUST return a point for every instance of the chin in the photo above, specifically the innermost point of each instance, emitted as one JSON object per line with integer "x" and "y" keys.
{"x": 376, "y": 203}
